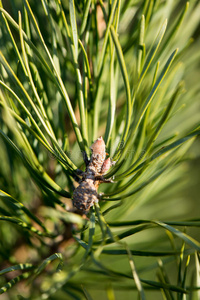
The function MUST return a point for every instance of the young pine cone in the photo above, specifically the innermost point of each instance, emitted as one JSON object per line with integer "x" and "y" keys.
{"x": 85, "y": 195}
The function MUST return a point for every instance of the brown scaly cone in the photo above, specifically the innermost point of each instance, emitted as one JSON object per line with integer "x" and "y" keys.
{"x": 85, "y": 195}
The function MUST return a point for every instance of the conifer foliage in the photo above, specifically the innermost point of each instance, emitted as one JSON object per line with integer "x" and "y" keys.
{"x": 99, "y": 119}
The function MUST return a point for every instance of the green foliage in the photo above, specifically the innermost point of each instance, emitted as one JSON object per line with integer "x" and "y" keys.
{"x": 70, "y": 72}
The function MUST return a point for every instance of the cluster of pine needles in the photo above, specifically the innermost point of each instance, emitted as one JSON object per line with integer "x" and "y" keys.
{"x": 70, "y": 72}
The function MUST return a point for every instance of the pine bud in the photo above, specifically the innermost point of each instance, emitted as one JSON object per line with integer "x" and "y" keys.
{"x": 98, "y": 147}
{"x": 106, "y": 166}
{"x": 98, "y": 154}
